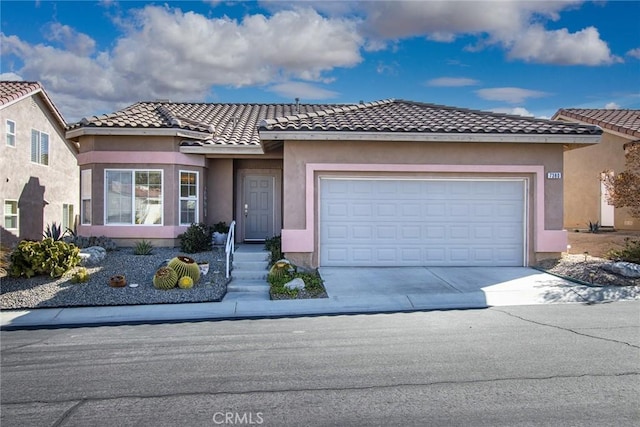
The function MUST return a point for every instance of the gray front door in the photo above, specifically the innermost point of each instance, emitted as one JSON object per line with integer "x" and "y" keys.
{"x": 258, "y": 207}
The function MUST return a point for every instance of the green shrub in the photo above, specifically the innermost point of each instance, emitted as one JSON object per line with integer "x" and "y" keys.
{"x": 629, "y": 253}
{"x": 46, "y": 257}
{"x": 274, "y": 245}
{"x": 312, "y": 283}
{"x": 143, "y": 247}
{"x": 80, "y": 276}
{"x": 197, "y": 238}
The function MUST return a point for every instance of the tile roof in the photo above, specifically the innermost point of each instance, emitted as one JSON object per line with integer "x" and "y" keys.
{"x": 623, "y": 121}
{"x": 12, "y": 91}
{"x": 226, "y": 124}
{"x": 240, "y": 124}
{"x": 408, "y": 116}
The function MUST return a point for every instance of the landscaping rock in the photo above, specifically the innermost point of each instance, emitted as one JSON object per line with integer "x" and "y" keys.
{"x": 92, "y": 255}
{"x": 626, "y": 269}
{"x": 296, "y": 283}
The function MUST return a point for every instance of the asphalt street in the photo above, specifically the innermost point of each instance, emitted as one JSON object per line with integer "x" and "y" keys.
{"x": 553, "y": 365}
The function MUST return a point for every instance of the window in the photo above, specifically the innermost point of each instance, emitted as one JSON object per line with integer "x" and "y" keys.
{"x": 67, "y": 217}
{"x": 188, "y": 197}
{"x": 11, "y": 133}
{"x": 39, "y": 147}
{"x": 85, "y": 197}
{"x": 133, "y": 197}
{"x": 11, "y": 214}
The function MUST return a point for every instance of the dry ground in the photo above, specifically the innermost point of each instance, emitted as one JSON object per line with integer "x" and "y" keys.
{"x": 588, "y": 268}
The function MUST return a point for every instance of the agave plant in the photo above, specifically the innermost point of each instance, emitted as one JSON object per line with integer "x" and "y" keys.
{"x": 54, "y": 231}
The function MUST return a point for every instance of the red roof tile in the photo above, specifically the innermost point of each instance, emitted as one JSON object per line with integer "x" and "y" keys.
{"x": 623, "y": 121}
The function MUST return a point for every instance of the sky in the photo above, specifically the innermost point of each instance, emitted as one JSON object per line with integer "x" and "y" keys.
{"x": 518, "y": 57}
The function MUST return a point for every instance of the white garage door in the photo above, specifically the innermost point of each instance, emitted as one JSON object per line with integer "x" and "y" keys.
{"x": 395, "y": 222}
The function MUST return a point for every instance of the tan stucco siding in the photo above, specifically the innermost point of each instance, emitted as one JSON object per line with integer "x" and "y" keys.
{"x": 297, "y": 154}
{"x": 219, "y": 185}
{"x": 583, "y": 167}
{"x": 56, "y": 184}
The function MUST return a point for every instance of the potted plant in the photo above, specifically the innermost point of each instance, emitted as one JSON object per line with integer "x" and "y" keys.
{"x": 220, "y": 232}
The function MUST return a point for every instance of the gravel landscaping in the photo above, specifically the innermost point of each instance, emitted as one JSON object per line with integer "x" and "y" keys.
{"x": 587, "y": 269}
{"x": 43, "y": 291}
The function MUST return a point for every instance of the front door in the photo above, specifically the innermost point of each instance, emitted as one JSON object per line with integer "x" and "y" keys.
{"x": 258, "y": 207}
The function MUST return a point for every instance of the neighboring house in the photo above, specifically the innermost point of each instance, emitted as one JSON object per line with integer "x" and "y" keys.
{"x": 39, "y": 179}
{"x": 585, "y": 196}
{"x": 389, "y": 183}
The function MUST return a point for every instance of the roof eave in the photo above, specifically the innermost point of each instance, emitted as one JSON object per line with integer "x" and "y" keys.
{"x": 106, "y": 131}
{"x": 271, "y": 135}
{"x": 223, "y": 149}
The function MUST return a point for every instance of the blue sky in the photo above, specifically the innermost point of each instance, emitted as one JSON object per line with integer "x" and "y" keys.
{"x": 522, "y": 57}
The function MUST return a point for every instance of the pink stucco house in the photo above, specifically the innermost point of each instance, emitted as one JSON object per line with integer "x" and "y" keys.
{"x": 39, "y": 178}
{"x": 388, "y": 183}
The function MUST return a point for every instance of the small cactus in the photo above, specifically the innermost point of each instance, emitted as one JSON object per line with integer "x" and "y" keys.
{"x": 185, "y": 266}
{"x": 165, "y": 278}
{"x": 280, "y": 269}
{"x": 185, "y": 282}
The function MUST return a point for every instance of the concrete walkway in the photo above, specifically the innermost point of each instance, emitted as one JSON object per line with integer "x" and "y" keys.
{"x": 352, "y": 291}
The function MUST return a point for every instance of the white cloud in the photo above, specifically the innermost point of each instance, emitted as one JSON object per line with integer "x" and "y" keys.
{"x": 611, "y": 106}
{"x": 452, "y": 82}
{"x": 561, "y": 47}
{"x": 167, "y": 53}
{"x": 10, "y": 77}
{"x": 302, "y": 90}
{"x": 513, "y": 25}
{"x": 512, "y": 95}
{"x": 634, "y": 53}
{"x": 517, "y": 111}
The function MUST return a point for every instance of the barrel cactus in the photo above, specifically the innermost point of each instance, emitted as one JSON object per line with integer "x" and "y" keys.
{"x": 185, "y": 282}
{"x": 165, "y": 278}
{"x": 280, "y": 269}
{"x": 185, "y": 266}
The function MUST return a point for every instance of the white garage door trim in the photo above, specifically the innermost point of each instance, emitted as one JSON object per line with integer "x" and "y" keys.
{"x": 392, "y": 221}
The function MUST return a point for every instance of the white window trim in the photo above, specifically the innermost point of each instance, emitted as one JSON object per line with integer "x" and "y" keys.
{"x": 10, "y": 133}
{"x": 85, "y": 177}
{"x": 196, "y": 198}
{"x": 133, "y": 199}
{"x": 39, "y": 153}
{"x": 5, "y": 215}
{"x": 68, "y": 210}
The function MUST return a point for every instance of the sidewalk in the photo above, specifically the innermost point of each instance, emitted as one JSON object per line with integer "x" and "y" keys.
{"x": 537, "y": 289}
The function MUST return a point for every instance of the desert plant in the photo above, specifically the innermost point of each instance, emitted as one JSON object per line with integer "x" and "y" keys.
{"x": 197, "y": 238}
{"x": 594, "y": 227}
{"x": 45, "y": 257}
{"x": 143, "y": 247}
{"x": 629, "y": 253}
{"x": 185, "y": 282}
{"x": 185, "y": 266}
{"x": 274, "y": 245}
{"x": 279, "y": 269}
{"x": 54, "y": 231}
{"x": 80, "y": 276}
{"x": 165, "y": 278}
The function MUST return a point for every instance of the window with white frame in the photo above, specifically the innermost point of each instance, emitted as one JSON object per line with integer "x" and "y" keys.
{"x": 10, "y": 214}
{"x": 188, "y": 197}
{"x": 11, "y": 133}
{"x": 67, "y": 216}
{"x": 85, "y": 197}
{"x": 39, "y": 147}
{"x": 133, "y": 197}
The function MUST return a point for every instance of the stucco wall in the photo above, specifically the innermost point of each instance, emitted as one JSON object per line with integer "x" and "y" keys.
{"x": 30, "y": 183}
{"x": 582, "y": 183}
{"x": 545, "y": 157}
{"x": 220, "y": 190}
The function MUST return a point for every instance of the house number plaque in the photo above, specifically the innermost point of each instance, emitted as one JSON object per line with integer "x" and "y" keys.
{"x": 554, "y": 175}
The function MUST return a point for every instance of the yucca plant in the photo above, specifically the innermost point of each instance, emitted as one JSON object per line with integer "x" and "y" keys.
{"x": 143, "y": 247}
{"x": 54, "y": 231}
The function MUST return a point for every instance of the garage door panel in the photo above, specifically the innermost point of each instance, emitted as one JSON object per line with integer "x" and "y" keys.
{"x": 421, "y": 222}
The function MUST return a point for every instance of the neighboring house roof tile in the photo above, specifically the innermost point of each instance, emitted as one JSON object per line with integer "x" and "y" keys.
{"x": 239, "y": 124}
{"x": 409, "y": 116}
{"x": 12, "y": 91}
{"x": 623, "y": 121}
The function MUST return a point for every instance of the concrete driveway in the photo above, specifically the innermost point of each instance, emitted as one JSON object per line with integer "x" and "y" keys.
{"x": 485, "y": 286}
